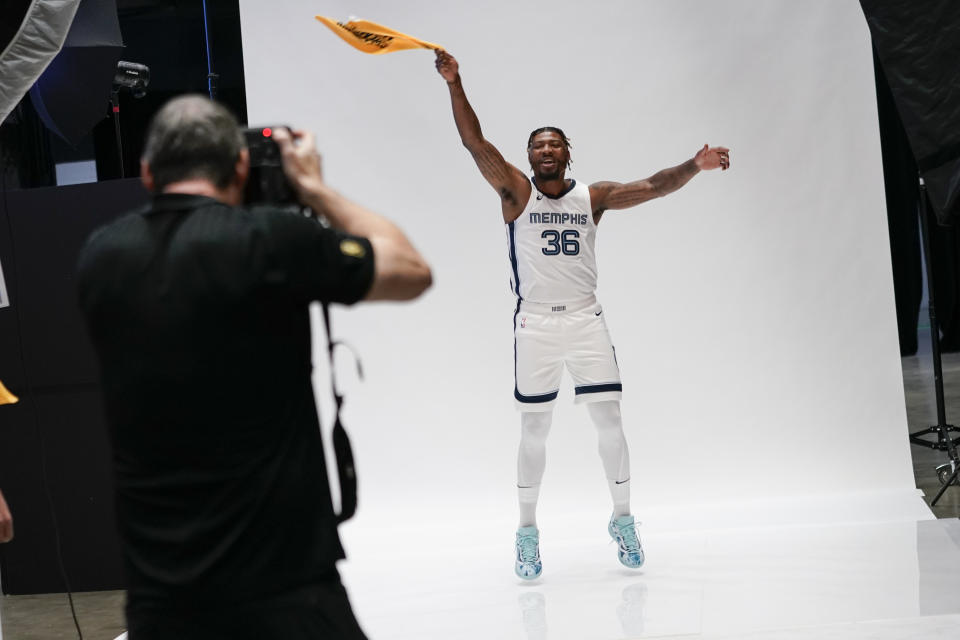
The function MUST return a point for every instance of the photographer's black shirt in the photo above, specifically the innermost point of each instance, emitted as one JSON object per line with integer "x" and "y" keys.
{"x": 199, "y": 314}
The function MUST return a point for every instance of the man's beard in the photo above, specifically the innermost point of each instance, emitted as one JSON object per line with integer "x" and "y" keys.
{"x": 553, "y": 175}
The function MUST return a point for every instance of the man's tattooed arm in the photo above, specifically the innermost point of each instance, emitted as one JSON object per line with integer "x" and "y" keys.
{"x": 616, "y": 195}
{"x": 509, "y": 182}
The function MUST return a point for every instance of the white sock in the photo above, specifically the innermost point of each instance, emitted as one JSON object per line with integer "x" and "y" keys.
{"x": 528, "y": 505}
{"x": 531, "y": 461}
{"x": 613, "y": 452}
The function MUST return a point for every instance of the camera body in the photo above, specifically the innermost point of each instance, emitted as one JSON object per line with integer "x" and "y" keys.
{"x": 267, "y": 184}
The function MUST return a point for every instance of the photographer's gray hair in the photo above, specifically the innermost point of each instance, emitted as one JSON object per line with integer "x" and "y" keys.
{"x": 192, "y": 137}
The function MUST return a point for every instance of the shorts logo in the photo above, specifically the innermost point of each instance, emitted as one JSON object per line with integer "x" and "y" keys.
{"x": 523, "y": 323}
{"x": 562, "y": 307}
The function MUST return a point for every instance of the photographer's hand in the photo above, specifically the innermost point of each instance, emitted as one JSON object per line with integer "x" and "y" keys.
{"x": 6, "y": 521}
{"x": 301, "y": 161}
{"x": 400, "y": 272}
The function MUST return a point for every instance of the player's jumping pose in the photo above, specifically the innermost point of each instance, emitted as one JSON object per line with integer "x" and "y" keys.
{"x": 551, "y": 225}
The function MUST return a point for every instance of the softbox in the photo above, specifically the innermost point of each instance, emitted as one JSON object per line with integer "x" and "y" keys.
{"x": 918, "y": 44}
{"x": 31, "y": 34}
{"x": 73, "y": 93}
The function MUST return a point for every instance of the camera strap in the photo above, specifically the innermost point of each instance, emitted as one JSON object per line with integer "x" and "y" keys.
{"x": 346, "y": 471}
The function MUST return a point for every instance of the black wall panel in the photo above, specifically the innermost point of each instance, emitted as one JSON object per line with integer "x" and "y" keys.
{"x": 54, "y": 441}
{"x": 49, "y": 226}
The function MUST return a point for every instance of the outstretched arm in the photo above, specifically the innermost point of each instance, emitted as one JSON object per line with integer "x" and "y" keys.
{"x": 509, "y": 182}
{"x": 616, "y": 195}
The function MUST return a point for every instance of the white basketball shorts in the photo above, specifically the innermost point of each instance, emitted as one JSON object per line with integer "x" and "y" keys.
{"x": 548, "y": 337}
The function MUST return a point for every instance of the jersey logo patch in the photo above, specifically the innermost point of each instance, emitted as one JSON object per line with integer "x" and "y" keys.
{"x": 352, "y": 248}
{"x": 523, "y": 323}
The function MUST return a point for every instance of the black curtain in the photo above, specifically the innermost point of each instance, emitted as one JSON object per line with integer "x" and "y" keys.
{"x": 903, "y": 194}
{"x": 25, "y": 156}
{"x": 12, "y": 13}
{"x": 903, "y": 198}
{"x": 945, "y": 251}
{"x": 919, "y": 46}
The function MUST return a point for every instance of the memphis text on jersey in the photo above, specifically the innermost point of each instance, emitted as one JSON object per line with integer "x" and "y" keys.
{"x": 550, "y": 217}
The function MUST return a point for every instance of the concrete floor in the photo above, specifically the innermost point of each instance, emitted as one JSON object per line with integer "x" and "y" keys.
{"x": 48, "y": 617}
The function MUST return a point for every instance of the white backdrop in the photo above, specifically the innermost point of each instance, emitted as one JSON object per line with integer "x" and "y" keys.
{"x": 752, "y": 311}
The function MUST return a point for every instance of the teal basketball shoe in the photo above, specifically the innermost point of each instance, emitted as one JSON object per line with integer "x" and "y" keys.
{"x": 624, "y": 532}
{"x": 528, "y": 565}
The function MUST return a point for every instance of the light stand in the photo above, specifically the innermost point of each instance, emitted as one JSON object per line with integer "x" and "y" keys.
{"x": 115, "y": 111}
{"x": 212, "y": 77}
{"x": 944, "y": 442}
{"x": 135, "y": 78}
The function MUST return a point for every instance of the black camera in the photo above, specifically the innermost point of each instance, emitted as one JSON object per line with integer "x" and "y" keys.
{"x": 267, "y": 183}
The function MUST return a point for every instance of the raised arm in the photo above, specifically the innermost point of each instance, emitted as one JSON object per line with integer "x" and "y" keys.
{"x": 399, "y": 271}
{"x": 509, "y": 182}
{"x": 617, "y": 195}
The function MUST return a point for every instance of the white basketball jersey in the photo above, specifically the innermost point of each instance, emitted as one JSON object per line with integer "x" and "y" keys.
{"x": 551, "y": 247}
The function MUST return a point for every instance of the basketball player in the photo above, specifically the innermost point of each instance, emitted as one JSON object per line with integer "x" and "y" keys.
{"x": 551, "y": 224}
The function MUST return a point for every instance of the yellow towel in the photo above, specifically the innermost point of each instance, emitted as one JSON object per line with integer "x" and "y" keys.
{"x": 6, "y": 397}
{"x": 371, "y": 37}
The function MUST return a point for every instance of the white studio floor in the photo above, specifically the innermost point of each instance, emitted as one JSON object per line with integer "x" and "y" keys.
{"x": 847, "y": 580}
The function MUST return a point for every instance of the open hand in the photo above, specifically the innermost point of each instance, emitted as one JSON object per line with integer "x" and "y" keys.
{"x": 712, "y": 158}
{"x": 447, "y": 66}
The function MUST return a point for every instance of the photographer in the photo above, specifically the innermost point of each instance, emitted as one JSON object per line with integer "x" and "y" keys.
{"x": 198, "y": 310}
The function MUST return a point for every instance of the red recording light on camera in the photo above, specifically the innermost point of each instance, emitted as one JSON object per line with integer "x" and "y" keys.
{"x": 267, "y": 132}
